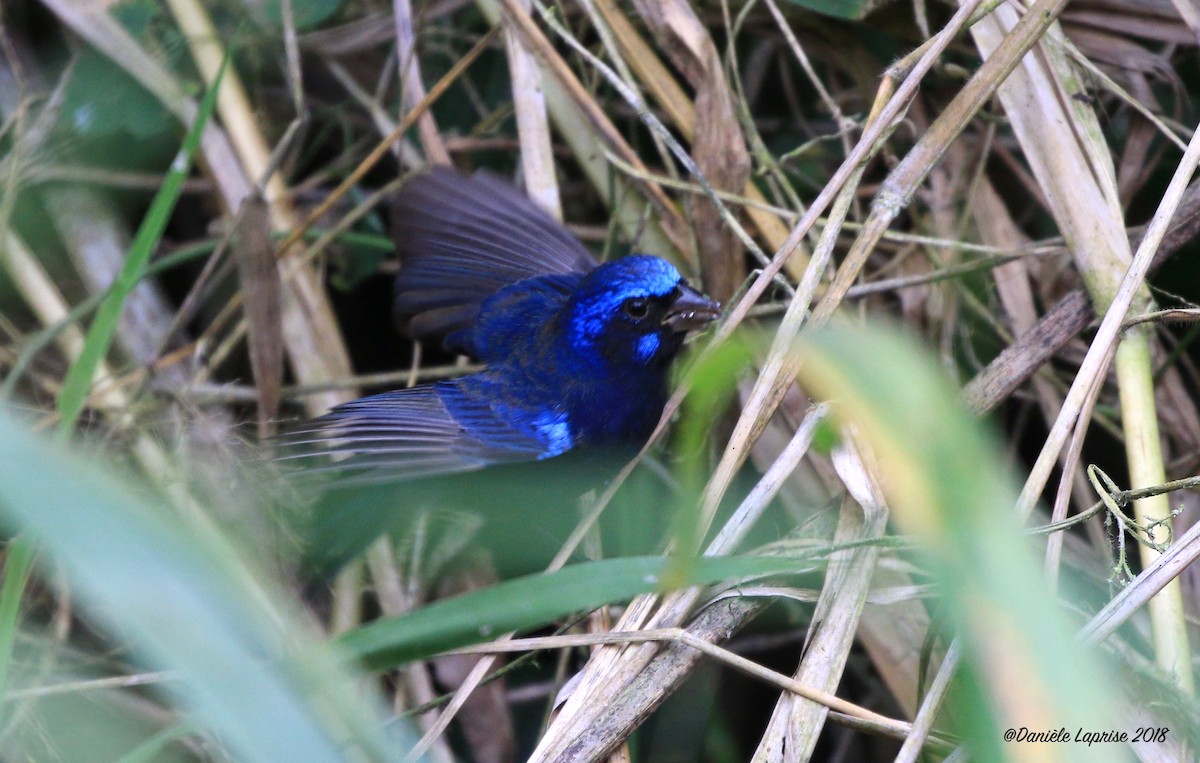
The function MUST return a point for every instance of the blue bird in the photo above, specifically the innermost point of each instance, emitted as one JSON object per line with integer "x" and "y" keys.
{"x": 576, "y": 352}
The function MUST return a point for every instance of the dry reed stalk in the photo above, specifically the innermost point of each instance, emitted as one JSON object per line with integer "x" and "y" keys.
{"x": 605, "y": 676}
{"x": 311, "y": 332}
{"x": 412, "y": 86}
{"x": 1061, "y": 139}
{"x": 661, "y": 84}
{"x": 309, "y": 329}
{"x": 795, "y": 724}
{"x": 541, "y": 184}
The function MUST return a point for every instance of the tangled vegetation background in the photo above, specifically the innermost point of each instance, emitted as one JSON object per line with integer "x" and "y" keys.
{"x": 893, "y": 518}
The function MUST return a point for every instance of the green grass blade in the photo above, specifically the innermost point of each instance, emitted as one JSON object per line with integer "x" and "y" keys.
{"x": 35, "y": 343}
{"x": 96, "y": 344}
{"x": 178, "y": 598}
{"x": 948, "y": 485}
{"x": 151, "y": 749}
{"x": 536, "y": 600}
{"x": 17, "y": 566}
{"x": 103, "y": 327}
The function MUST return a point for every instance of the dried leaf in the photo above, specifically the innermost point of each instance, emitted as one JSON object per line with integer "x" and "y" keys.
{"x": 262, "y": 293}
{"x": 718, "y": 146}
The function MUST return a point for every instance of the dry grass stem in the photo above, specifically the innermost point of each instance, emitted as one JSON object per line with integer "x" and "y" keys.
{"x": 969, "y": 174}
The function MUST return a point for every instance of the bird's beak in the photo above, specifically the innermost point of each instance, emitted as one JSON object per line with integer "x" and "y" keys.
{"x": 691, "y": 310}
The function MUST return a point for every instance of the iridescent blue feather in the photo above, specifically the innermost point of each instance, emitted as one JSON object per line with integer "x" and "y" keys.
{"x": 577, "y": 352}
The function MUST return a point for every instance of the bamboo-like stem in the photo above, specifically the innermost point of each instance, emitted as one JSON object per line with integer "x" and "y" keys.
{"x": 1110, "y": 327}
{"x": 1143, "y": 450}
{"x": 232, "y": 102}
{"x": 1067, "y": 152}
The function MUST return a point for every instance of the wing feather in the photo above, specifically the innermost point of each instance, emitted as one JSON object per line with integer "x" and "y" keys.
{"x": 462, "y": 239}
{"x": 407, "y": 434}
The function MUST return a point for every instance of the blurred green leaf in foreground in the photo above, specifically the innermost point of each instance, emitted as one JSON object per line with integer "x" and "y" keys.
{"x": 244, "y": 667}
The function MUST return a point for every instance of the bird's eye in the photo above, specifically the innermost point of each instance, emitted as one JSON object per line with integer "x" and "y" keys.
{"x": 636, "y": 308}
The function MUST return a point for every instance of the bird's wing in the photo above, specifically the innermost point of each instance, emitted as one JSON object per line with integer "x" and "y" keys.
{"x": 386, "y": 452}
{"x": 462, "y": 239}
{"x": 407, "y": 434}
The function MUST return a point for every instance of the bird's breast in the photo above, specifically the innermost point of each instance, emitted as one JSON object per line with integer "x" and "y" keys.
{"x": 617, "y": 411}
{"x": 574, "y": 398}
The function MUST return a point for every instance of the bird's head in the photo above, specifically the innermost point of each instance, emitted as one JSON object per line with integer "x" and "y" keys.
{"x": 635, "y": 311}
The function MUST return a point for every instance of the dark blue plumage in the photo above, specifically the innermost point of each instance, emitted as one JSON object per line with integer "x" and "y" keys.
{"x": 577, "y": 352}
